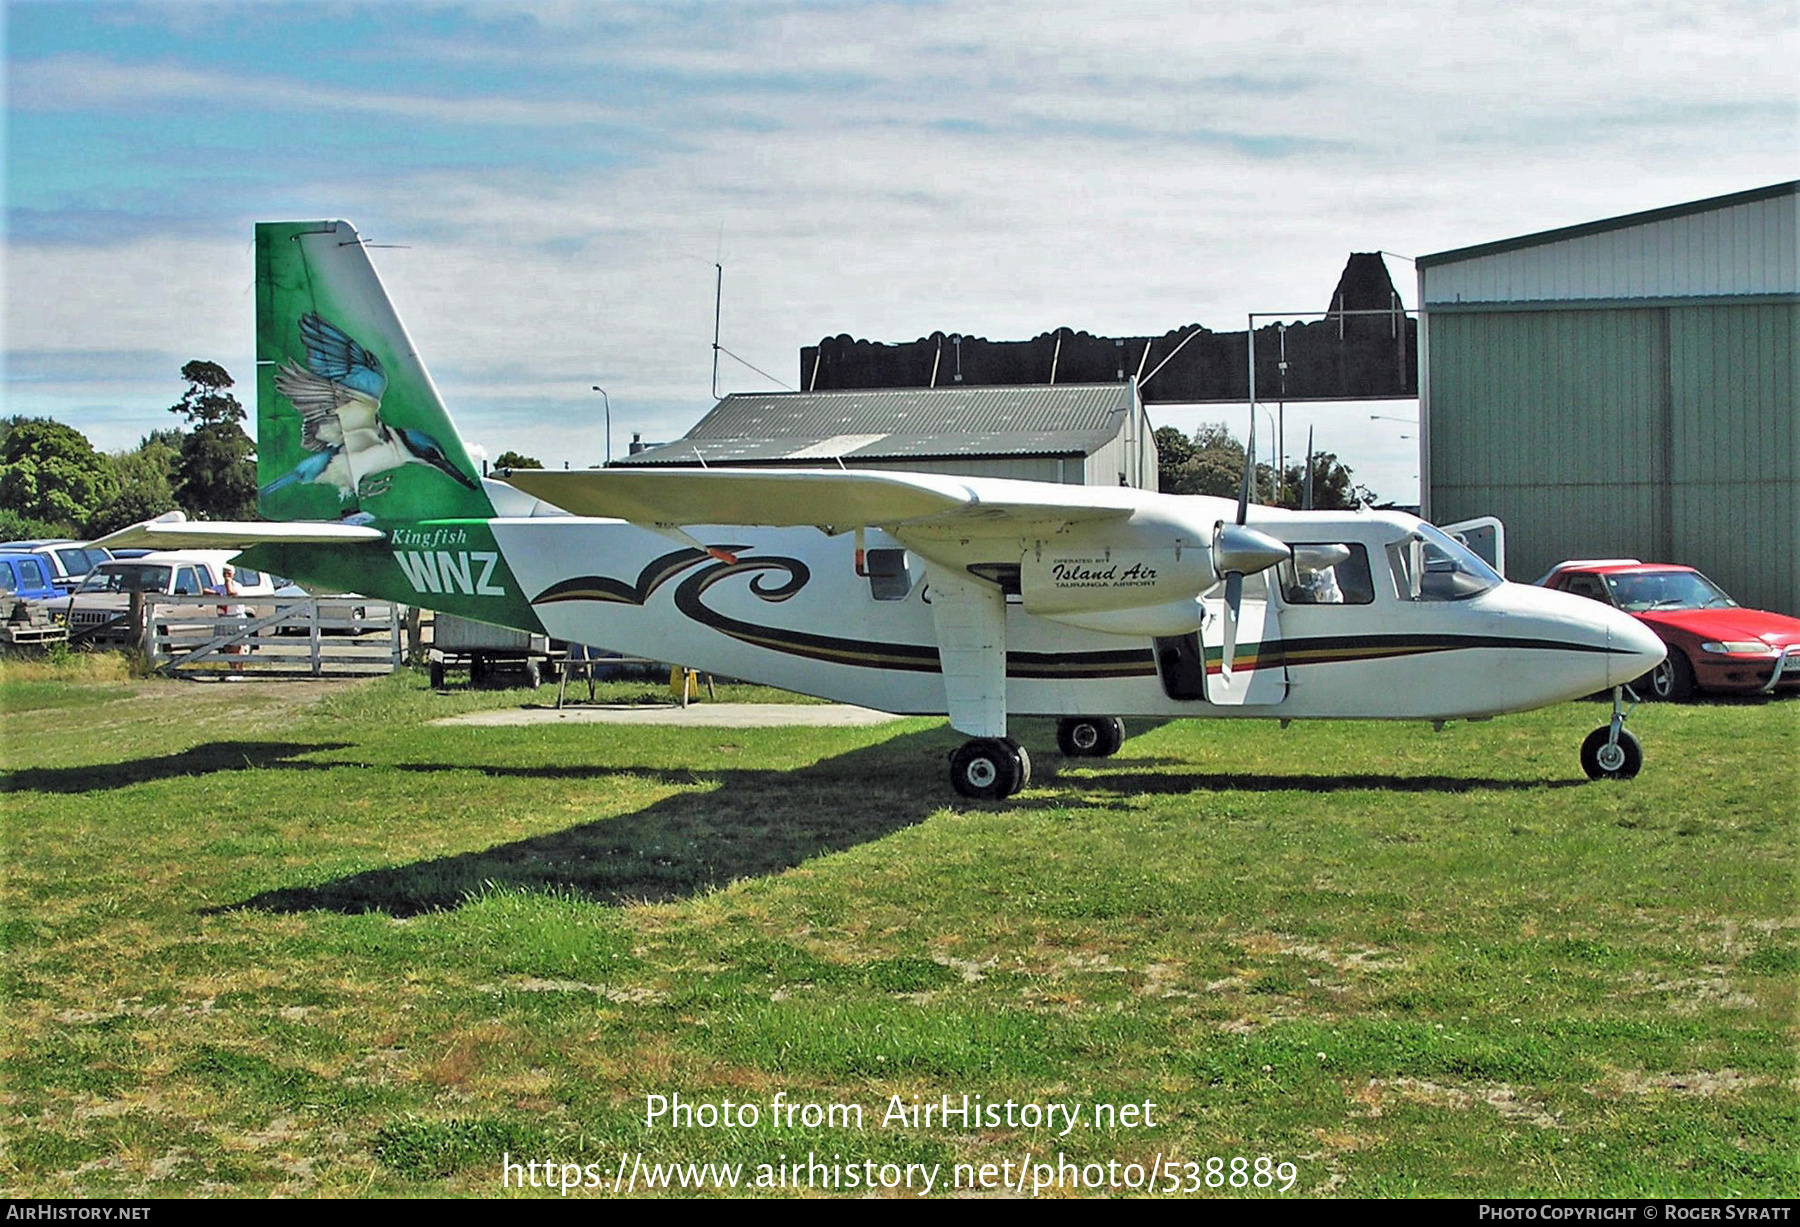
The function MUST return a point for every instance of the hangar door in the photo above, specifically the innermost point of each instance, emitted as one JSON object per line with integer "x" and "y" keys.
{"x": 1558, "y": 423}
{"x": 1665, "y": 433}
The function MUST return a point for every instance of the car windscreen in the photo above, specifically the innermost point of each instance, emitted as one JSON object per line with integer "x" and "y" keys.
{"x": 1640, "y": 591}
{"x": 127, "y": 577}
{"x": 76, "y": 561}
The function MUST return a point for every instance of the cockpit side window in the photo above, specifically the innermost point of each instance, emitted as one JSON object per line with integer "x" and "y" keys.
{"x": 1429, "y": 566}
{"x": 1327, "y": 573}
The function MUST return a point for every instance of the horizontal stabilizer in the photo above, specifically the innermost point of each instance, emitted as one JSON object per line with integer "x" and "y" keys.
{"x": 235, "y": 534}
{"x": 832, "y": 499}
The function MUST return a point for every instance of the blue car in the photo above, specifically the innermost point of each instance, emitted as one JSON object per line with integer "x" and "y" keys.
{"x": 24, "y": 577}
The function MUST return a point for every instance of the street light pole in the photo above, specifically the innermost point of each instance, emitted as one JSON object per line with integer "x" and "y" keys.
{"x": 1274, "y": 490}
{"x": 604, "y": 400}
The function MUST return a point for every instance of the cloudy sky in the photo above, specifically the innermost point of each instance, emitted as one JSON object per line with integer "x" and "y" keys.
{"x": 559, "y": 178}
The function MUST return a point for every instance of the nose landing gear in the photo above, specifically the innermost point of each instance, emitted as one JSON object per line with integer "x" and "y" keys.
{"x": 1610, "y": 752}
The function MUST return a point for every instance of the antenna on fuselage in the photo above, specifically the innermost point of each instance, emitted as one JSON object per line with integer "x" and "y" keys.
{"x": 1306, "y": 494}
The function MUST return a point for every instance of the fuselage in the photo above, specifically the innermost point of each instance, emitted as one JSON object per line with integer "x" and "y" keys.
{"x": 1373, "y": 636}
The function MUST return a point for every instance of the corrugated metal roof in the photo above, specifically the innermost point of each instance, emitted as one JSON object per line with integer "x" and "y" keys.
{"x": 1060, "y": 420}
{"x": 1750, "y": 246}
{"x": 1667, "y": 213}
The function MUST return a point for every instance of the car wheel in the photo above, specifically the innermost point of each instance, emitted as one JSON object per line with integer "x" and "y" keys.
{"x": 1673, "y": 680}
{"x": 437, "y": 675}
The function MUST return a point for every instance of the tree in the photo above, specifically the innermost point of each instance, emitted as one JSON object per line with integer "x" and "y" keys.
{"x": 1334, "y": 488}
{"x": 145, "y": 479}
{"x": 50, "y": 472}
{"x": 206, "y": 401}
{"x": 1173, "y": 449}
{"x": 215, "y": 477}
{"x": 1212, "y": 462}
{"x": 513, "y": 460}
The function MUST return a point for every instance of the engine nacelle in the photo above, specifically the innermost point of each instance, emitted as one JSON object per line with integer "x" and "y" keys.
{"x": 1178, "y": 617}
{"x": 1057, "y": 580}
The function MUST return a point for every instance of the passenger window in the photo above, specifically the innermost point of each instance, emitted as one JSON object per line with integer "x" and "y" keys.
{"x": 1327, "y": 574}
{"x": 30, "y": 574}
{"x": 888, "y": 577}
{"x": 186, "y": 584}
{"x": 6, "y": 579}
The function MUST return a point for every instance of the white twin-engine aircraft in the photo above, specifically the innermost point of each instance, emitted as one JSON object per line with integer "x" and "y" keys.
{"x": 984, "y": 598}
{"x": 913, "y": 593}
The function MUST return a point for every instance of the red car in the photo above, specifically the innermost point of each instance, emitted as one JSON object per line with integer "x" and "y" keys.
{"x": 1714, "y": 643}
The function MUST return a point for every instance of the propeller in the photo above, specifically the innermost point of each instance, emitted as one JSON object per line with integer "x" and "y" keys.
{"x": 1239, "y": 550}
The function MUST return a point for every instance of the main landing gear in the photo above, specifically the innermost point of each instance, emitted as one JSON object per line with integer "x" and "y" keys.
{"x": 994, "y": 768}
{"x": 1610, "y": 752}
{"x": 1089, "y": 736}
{"x": 990, "y": 768}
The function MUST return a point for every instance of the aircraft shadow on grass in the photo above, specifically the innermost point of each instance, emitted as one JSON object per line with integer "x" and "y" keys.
{"x": 756, "y": 823}
{"x": 198, "y": 760}
{"x": 751, "y": 823}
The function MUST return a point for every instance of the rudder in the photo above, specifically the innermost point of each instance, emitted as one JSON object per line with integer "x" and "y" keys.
{"x": 348, "y": 420}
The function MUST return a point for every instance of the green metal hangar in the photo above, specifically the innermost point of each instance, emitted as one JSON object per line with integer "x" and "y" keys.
{"x": 1075, "y": 434}
{"x": 1624, "y": 388}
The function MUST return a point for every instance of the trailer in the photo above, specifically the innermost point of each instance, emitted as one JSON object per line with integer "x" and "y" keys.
{"x": 493, "y": 654}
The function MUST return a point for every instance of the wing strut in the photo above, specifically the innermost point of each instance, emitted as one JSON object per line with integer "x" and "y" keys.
{"x": 969, "y": 616}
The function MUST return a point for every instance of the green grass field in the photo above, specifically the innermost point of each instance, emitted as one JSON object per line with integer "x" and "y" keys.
{"x": 292, "y": 938}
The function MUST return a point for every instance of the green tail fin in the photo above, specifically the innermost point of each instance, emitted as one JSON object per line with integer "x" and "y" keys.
{"x": 348, "y": 421}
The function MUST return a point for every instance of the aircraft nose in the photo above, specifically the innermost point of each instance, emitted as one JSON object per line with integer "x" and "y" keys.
{"x": 1634, "y": 650}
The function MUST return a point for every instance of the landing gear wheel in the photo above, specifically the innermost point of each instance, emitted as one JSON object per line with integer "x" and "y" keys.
{"x": 1674, "y": 678}
{"x": 1089, "y": 736}
{"x": 534, "y": 674}
{"x": 1603, "y": 759}
{"x": 988, "y": 768}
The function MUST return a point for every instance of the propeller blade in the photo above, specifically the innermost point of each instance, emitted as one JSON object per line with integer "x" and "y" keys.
{"x": 1306, "y": 482}
{"x": 1249, "y": 470}
{"x": 1234, "y": 596}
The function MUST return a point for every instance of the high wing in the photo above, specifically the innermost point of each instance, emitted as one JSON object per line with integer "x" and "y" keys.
{"x": 832, "y": 499}
{"x": 235, "y": 534}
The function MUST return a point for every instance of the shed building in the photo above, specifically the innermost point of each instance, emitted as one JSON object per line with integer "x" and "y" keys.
{"x": 1625, "y": 388}
{"x": 1076, "y": 434}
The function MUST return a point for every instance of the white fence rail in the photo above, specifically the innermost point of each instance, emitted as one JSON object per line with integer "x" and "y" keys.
{"x": 311, "y": 637}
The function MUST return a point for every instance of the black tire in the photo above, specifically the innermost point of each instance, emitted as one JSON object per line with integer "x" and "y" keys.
{"x": 437, "y": 675}
{"x": 1673, "y": 680}
{"x": 534, "y": 673}
{"x": 986, "y": 769}
{"x": 1090, "y": 736}
{"x": 1602, "y": 761}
